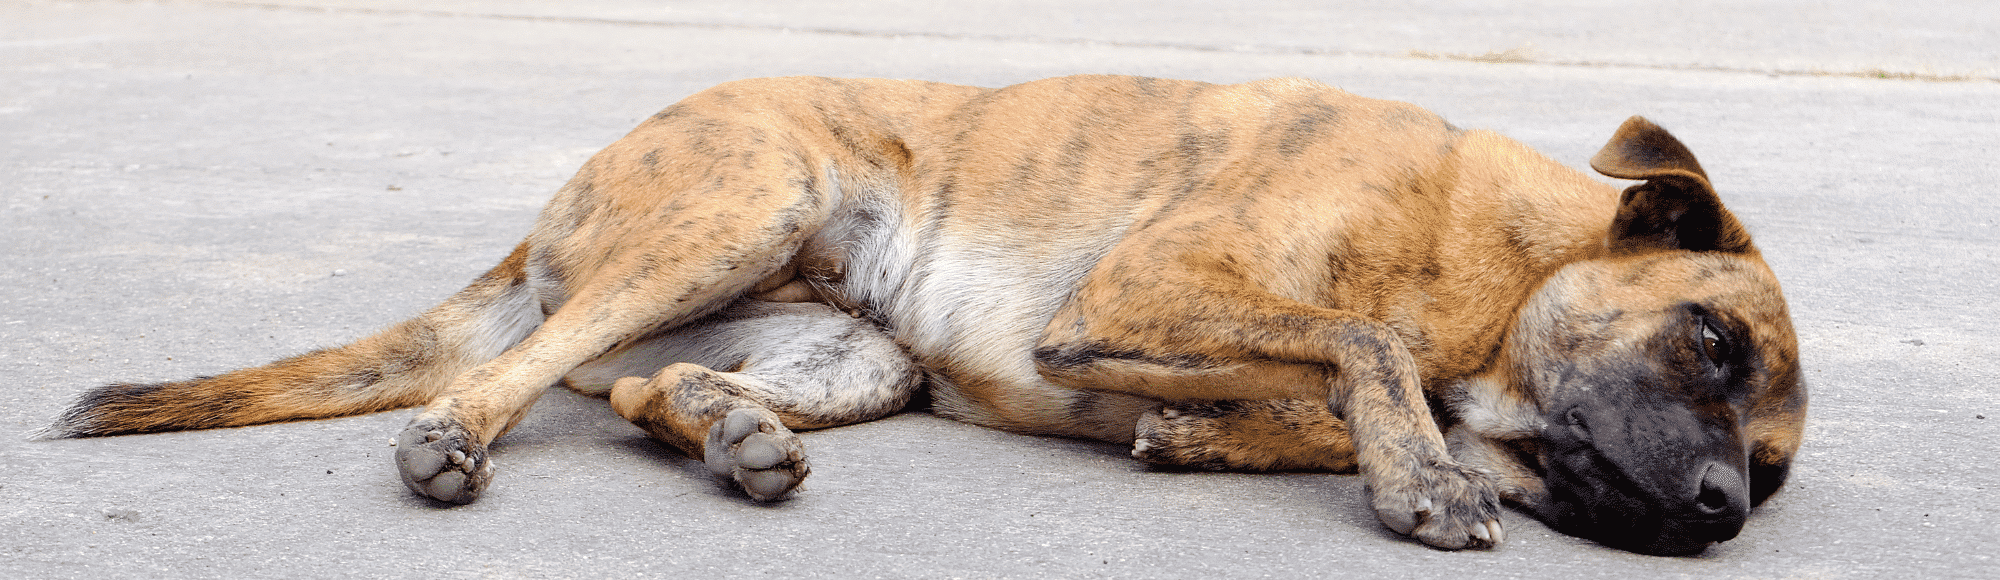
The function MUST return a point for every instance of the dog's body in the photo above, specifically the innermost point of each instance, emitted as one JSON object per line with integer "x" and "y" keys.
{"x": 1274, "y": 275}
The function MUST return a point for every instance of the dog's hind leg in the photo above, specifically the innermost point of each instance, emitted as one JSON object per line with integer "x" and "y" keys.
{"x": 619, "y": 255}
{"x": 740, "y": 381}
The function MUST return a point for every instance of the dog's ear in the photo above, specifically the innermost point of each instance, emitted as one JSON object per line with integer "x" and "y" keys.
{"x": 1675, "y": 209}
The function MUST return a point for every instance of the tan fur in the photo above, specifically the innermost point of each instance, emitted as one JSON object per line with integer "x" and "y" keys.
{"x": 1273, "y": 275}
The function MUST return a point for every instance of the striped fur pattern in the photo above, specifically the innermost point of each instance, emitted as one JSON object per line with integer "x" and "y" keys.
{"x": 1268, "y": 276}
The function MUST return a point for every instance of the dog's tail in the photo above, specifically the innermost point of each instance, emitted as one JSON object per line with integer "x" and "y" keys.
{"x": 404, "y": 365}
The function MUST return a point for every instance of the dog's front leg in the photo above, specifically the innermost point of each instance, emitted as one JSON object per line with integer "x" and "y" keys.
{"x": 1213, "y": 338}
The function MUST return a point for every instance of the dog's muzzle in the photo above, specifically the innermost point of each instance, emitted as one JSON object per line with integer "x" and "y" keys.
{"x": 1653, "y": 479}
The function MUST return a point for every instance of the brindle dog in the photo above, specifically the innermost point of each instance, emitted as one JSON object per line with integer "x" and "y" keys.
{"x": 1273, "y": 275}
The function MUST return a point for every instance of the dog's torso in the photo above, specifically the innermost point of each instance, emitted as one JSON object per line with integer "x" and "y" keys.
{"x": 963, "y": 219}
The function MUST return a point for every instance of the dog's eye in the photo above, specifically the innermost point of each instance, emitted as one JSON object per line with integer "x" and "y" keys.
{"x": 1713, "y": 344}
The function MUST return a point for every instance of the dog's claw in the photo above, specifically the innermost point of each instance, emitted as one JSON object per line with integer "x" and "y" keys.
{"x": 1141, "y": 449}
{"x": 1483, "y": 533}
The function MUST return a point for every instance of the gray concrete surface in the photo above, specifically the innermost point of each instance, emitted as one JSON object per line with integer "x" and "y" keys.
{"x": 191, "y": 187}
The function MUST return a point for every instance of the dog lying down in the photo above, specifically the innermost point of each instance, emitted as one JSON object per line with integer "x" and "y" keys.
{"x": 1275, "y": 275}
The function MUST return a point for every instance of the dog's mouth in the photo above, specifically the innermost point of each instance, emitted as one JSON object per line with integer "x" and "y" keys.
{"x": 1604, "y": 505}
{"x": 1670, "y": 496}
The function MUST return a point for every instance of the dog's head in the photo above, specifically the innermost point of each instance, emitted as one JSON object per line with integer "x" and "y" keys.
{"x": 1662, "y": 378}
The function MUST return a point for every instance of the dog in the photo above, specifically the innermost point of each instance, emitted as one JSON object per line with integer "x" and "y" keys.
{"x": 1275, "y": 275}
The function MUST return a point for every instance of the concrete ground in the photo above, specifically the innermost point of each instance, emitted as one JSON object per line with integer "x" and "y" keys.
{"x": 191, "y": 187}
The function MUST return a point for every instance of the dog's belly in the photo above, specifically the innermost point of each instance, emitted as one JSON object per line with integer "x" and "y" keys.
{"x": 968, "y": 299}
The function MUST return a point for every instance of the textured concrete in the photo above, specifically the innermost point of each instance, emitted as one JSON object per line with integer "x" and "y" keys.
{"x": 191, "y": 187}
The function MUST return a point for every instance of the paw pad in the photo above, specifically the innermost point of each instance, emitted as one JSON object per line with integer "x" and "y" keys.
{"x": 754, "y": 449}
{"x": 439, "y": 460}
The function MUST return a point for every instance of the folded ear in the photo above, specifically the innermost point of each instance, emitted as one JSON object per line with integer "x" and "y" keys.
{"x": 1675, "y": 209}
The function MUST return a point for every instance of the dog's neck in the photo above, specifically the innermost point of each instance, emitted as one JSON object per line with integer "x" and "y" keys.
{"x": 1487, "y": 404}
{"x": 1551, "y": 212}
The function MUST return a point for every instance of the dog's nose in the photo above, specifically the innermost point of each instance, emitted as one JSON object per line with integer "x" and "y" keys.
{"x": 1721, "y": 491}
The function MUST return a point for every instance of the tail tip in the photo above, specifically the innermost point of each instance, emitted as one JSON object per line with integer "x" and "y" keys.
{"x": 76, "y": 422}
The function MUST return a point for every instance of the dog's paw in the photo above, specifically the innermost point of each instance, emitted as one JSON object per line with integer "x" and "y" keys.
{"x": 1174, "y": 436}
{"x": 1442, "y": 504}
{"x": 754, "y": 449}
{"x": 438, "y": 459}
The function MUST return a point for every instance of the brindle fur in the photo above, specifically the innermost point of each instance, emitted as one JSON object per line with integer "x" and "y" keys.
{"x": 1273, "y": 275}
